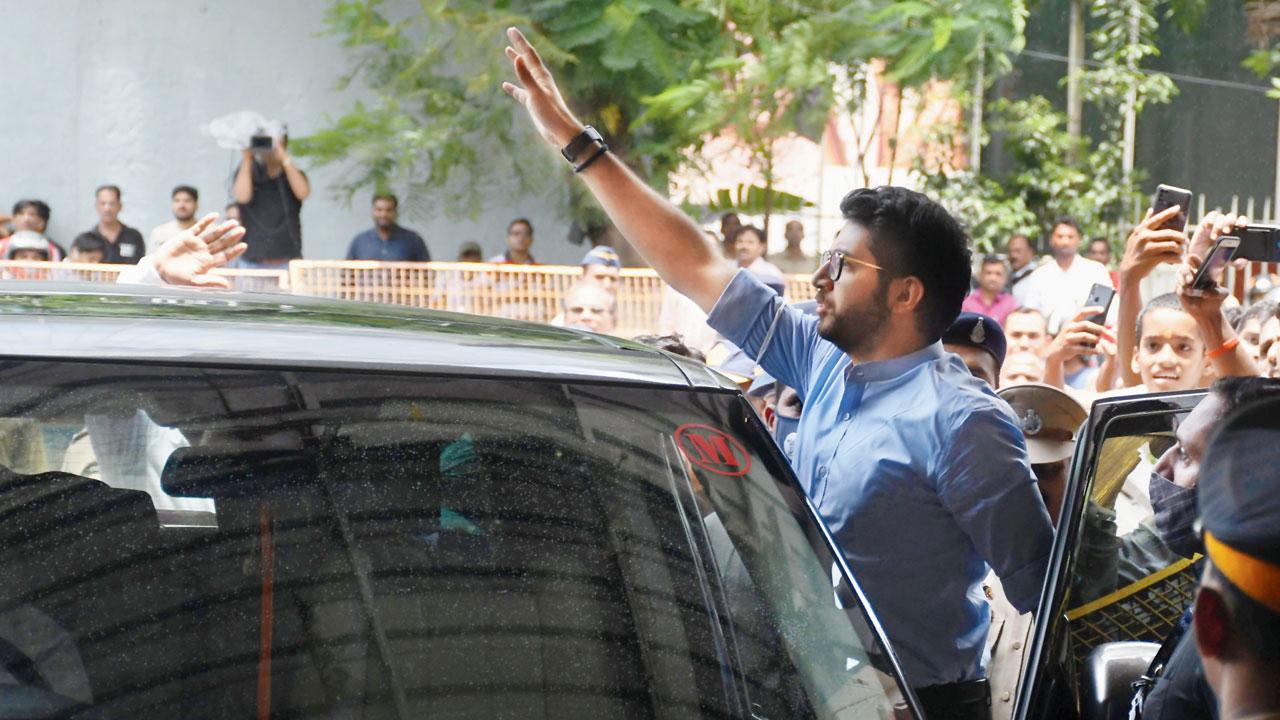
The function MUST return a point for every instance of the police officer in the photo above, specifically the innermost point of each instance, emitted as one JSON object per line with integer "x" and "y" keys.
{"x": 918, "y": 469}
{"x": 980, "y": 343}
{"x": 1237, "y": 611}
{"x": 1050, "y": 420}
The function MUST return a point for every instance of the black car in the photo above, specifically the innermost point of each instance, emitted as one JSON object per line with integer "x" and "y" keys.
{"x": 215, "y": 505}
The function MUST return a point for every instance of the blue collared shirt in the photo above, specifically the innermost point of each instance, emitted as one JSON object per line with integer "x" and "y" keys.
{"x": 920, "y": 472}
{"x": 404, "y": 245}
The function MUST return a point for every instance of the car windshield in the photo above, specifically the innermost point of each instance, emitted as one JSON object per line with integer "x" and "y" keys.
{"x": 204, "y": 542}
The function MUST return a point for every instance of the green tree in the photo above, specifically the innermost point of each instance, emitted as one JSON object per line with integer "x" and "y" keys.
{"x": 1045, "y": 180}
{"x": 437, "y": 128}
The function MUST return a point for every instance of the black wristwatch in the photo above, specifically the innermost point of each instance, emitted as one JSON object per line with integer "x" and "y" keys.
{"x": 585, "y": 139}
{"x": 578, "y": 144}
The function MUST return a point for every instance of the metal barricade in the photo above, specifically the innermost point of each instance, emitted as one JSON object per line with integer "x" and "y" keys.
{"x": 521, "y": 292}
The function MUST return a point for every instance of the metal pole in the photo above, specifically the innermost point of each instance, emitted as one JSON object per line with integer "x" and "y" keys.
{"x": 1075, "y": 58}
{"x": 1131, "y": 98}
{"x": 975, "y": 122}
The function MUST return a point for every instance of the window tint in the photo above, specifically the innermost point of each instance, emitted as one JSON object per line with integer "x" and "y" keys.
{"x": 225, "y": 543}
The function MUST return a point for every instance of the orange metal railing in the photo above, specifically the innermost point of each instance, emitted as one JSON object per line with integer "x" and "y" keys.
{"x": 522, "y": 292}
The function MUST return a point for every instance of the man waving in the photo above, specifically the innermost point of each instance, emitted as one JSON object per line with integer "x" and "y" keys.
{"x": 918, "y": 469}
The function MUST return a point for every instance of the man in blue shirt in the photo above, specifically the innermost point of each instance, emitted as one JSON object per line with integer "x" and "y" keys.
{"x": 919, "y": 470}
{"x": 386, "y": 240}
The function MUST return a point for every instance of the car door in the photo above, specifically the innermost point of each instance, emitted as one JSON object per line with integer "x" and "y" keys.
{"x": 210, "y": 541}
{"x": 1110, "y": 578}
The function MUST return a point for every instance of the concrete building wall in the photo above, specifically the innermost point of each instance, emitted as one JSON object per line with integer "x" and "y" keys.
{"x": 118, "y": 91}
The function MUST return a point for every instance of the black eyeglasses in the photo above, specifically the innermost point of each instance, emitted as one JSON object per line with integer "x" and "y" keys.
{"x": 834, "y": 261}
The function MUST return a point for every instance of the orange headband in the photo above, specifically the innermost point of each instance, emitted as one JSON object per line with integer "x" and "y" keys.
{"x": 1256, "y": 578}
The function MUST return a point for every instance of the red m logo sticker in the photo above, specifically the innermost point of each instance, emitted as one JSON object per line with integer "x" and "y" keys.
{"x": 713, "y": 450}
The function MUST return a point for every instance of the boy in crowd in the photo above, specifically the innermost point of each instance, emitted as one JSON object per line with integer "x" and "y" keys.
{"x": 1151, "y": 244}
{"x": 1249, "y": 327}
{"x": 87, "y": 248}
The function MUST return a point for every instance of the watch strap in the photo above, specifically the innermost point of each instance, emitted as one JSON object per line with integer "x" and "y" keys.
{"x": 584, "y": 139}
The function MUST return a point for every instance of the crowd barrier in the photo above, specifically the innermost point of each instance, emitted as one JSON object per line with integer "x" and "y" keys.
{"x": 521, "y": 292}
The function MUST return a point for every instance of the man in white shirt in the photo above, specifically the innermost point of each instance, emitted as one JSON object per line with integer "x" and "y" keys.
{"x": 185, "y": 199}
{"x": 1059, "y": 288}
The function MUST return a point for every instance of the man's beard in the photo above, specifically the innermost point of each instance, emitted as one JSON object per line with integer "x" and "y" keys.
{"x": 188, "y": 217}
{"x": 856, "y": 329}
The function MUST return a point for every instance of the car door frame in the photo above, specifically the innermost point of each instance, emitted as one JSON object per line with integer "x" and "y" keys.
{"x": 1037, "y": 687}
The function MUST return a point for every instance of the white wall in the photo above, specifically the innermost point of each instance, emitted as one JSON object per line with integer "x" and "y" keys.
{"x": 116, "y": 91}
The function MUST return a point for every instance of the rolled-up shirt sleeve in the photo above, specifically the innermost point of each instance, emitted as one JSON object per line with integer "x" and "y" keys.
{"x": 779, "y": 337}
{"x": 987, "y": 485}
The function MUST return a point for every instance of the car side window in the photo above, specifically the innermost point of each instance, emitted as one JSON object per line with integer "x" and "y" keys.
{"x": 406, "y": 546}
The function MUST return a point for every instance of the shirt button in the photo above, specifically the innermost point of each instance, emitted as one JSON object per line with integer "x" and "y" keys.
{"x": 1017, "y": 645}
{"x": 845, "y": 417}
{"x": 1004, "y": 697}
{"x": 822, "y": 472}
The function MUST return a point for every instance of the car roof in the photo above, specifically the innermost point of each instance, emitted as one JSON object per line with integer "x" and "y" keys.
{"x": 217, "y": 327}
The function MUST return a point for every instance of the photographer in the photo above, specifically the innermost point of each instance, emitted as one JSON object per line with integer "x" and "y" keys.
{"x": 270, "y": 190}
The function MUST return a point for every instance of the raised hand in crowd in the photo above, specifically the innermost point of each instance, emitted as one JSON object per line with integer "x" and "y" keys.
{"x": 188, "y": 258}
{"x": 1079, "y": 337}
{"x": 1222, "y": 346}
{"x": 1148, "y": 246}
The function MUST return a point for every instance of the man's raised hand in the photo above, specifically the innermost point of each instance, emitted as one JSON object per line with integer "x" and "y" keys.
{"x": 1150, "y": 245}
{"x": 187, "y": 258}
{"x": 538, "y": 93}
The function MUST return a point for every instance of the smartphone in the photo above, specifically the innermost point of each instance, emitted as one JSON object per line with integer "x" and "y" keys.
{"x": 1219, "y": 256}
{"x": 1166, "y": 197}
{"x": 1260, "y": 243}
{"x": 1100, "y": 296}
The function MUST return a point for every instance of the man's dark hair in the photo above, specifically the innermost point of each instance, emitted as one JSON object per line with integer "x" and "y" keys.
{"x": 992, "y": 260}
{"x": 396, "y": 201}
{"x": 113, "y": 188}
{"x": 911, "y": 235}
{"x": 1065, "y": 220}
{"x": 747, "y": 228}
{"x": 89, "y": 242}
{"x": 1102, "y": 240}
{"x": 519, "y": 221}
{"x": 1024, "y": 310}
{"x": 1261, "y": 311}
{"x": 195, "y": 194}
{"x": 1167, "y": 301}
{"x": 1236, "y": 391}
{"x": 1018, "y": 236}
{"x": 41, "y": 208}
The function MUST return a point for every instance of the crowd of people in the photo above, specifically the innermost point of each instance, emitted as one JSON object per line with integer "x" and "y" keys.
{"x": 930, "y": 415}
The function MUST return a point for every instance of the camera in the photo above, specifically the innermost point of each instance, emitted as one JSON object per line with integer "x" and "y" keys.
{"x": 1260, "y": 243}
{"x": 261, "y": 143}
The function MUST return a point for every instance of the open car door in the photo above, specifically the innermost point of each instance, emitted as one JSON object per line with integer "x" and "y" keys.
{"x": 1114, "y": 590}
